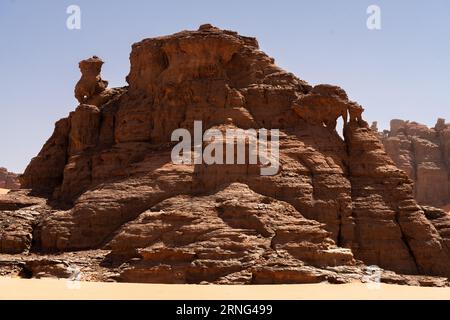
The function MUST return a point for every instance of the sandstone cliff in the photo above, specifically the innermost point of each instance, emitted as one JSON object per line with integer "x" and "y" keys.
{"x": 424, "y": 154}
{"x": 114, "y": 196}
{"x": 8, "y": 180}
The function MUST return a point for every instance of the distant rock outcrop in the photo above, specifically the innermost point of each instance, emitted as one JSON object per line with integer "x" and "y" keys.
{"x": 8, "y": 180}
{"x": 424, "y": 154}
{"x": 335, "y": 205}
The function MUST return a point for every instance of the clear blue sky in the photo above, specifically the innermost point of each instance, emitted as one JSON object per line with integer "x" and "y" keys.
{"x": 400, "y": 71}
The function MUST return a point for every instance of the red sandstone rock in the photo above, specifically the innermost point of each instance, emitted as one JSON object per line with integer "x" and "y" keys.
{"x": 18, "y": 215}
{"x": 18, "y": 199}
{"x": 334, "y": 205}
{"x": 90, "y": 84}
{"x": 392, "y": 226}
{"x": 424, "y": 154}
{"x": 325, "y": 104}
{"x": 8, "y": 180}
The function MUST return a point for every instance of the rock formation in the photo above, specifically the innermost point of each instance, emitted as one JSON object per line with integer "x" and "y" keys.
{"x": 90, "y": 84}
{"x": 325, "y": 104}
{"x": 424, "y": 154}
{"x": 8, "y": 180}
{"x": 114, "y": 197}
{"x": 91, "y": 89}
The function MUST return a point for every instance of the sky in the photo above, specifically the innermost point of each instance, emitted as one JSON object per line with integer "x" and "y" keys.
{"x": 399, "y": 71}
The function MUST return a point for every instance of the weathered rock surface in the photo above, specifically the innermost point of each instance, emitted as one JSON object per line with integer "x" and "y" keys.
{"x": 424, "y": 154}
{"x": 334, "y": 206}
{"x": 18, "y": 215}
{"x": 91, "y": 89}
{"x": 8, "y": 180}
{"x": 195, "y": 239}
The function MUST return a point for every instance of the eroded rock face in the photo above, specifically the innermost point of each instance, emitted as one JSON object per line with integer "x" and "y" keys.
{"x": 8, "y": 180}
{"x": 325, "y": 104}
{"x": 234, "y": 230}
{"x": 424, "y": 154}
{"x": 332, "y": 206}
{"x": 90, "y": 84}
{"x": 18, "y": 215}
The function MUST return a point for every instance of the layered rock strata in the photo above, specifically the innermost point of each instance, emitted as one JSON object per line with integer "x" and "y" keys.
{"x": 424, "y": 154}
{"x": 8, "y": 180}
{"x": 334, "y": 207}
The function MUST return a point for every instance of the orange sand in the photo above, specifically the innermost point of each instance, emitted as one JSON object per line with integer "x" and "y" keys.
{"x": 13, "y": 288}
{"x": 3, "y": 191}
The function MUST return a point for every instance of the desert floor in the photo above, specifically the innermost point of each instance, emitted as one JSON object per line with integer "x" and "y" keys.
{"x": 13, "y": 288}
{"x": 3, "y": 191}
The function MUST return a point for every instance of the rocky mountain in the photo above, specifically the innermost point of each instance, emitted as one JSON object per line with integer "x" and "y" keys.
{"x": 105, "y": 196}
{"x": 8, "y": 180}
{"x": 424, "y": 154}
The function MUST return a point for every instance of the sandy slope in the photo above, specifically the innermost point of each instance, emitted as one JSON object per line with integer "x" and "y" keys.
{"x": 3, "y": 191}
{"x": 12, "y": 288}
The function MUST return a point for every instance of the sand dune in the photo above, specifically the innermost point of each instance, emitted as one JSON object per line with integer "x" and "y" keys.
{"x": 12, "y": 288}
{"x": 3, "y": 191}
